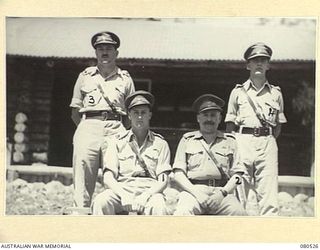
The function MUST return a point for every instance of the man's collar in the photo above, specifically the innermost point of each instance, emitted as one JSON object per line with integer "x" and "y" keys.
{"x": 198, "y": 134}
{"x": 131, "y": 135}
{"x": 117, "y": 70}
{"x": 249, "y": 84}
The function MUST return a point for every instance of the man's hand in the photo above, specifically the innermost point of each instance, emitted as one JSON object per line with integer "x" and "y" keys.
{"x": 75, "y": 116}
{"x": 127, "y": 201}
{"x": 140, "y": 202}
{"x": 215, "y": 199}
{"x": 201, "y": 197}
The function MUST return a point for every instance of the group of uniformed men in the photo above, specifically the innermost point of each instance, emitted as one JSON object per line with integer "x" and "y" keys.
{"x": 213, "y": 171}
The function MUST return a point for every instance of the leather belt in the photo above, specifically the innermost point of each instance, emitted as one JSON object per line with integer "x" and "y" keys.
{"x": 209, "y": 182}
{"x": 258, "y": 131}
{"x": 102, "y": 115}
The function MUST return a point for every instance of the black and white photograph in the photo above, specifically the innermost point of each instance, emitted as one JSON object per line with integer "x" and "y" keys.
{"x": 160, "y": 116}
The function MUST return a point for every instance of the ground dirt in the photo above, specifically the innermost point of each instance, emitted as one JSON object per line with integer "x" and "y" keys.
{"x": 38, "y": 198}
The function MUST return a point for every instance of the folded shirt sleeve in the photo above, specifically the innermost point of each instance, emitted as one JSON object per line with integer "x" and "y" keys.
{"x": 164, "y": 159}
{"x": 110, "y": 158}
{"x": 76, "y": 101}
{"x": 237, "y": 165}
{"x": 180, "y": 161}
{"x": 232, "y": 109}
{"x": 282, "y": 118}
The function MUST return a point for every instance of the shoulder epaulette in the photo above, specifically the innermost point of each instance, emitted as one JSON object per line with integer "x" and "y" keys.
{"x": 275, "y": 87}
{"x": 123, "y": 135}
{"x": 189, "y": 134}
{"x": 238, "y": 85}
{"x": 157, "y": 135}
{"x": 124, "y": 73}
{"x": 90, "y": 70}
{"x": 230, "y": 135}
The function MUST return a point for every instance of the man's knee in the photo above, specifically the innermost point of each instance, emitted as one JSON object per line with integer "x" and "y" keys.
{"x": 187, "y": 204}
{"x": 103, "y": 202}
{"x": 233, "y": 207}
{"x": 156, "y": 205}
{"x": 239, "y": 210}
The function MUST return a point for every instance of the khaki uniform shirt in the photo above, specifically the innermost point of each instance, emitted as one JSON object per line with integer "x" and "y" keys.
{"x": 124, "y": 163}
{"x": 268, "y": 100}
{"x": 87, "y": 96}
{"x": 194, "y": 161}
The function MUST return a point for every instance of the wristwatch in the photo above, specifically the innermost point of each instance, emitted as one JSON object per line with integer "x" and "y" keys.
{"x": 224, "y": 192}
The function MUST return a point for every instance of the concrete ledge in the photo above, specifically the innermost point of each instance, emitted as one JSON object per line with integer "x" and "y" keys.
{"x": 302, "y": 181}
{"x": 41, "y": 170}
{"x": 290, "y": 184}
{"x": 40, "y": 173}
{"x": 296, "y": 185}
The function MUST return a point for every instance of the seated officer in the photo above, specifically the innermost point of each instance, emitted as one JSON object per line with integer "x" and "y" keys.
{"x": 138, "y": 165}
{"x": 206, "y": 166}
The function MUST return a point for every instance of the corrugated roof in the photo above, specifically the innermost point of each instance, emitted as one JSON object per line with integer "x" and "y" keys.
{"x": 189, "y": 39}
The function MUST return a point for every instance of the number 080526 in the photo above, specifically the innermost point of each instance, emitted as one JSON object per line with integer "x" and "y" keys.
{"x": 310, "y": 246}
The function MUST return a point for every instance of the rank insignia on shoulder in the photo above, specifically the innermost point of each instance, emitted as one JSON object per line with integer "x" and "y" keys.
{"x": 238, "y": 85}
{"x": 275, "y": 87}
{"x": 230, "y": 135}
{"x": 157, "y": 135}
{"x": 122, "y": 135}
{"x": 189, "y": 134}
{"x": 90, "y": 70}
{"x": 125, "y": 73}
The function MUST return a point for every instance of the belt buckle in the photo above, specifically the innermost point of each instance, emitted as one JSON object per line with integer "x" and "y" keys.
{"x": 256, "y": 131}
{"x": 105, "y": 115}
{"x": 211, "y": 182}
{"x": 116, "y": 116}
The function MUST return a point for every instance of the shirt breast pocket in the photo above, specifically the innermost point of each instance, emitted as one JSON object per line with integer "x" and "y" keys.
{"x": 223, "y": 158}
{"x": 119, "y": 92}
{"x": 121, "y": 89}
{"x": 151, "y": 159}
{"x": 92, "y": 96}
{"x": 271, "y": 112}
{"x": 194, "y": 158}
{"x": 126, "y": 163}
{"x": 244, "y": 108}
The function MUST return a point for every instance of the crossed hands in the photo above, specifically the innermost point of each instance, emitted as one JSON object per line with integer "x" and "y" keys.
{"x": 215, "y": 199}
{"x": 132, "y": 203}
{"x": 208, "y": 199}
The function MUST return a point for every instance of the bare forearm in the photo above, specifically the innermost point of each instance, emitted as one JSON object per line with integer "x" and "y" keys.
{"x": 277, "y": 131}
{"x": 75, "y": 116}
{"x": 160, "y": 185}
{"x": 235, "y": 180}
{"x": 184, "y": 182}
{"x": 113, "y": 184}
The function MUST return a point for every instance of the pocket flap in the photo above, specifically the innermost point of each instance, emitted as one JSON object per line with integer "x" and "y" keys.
{"x": 193, "y": 151}
{"x": 123, "y": 157}
{"x": 88, "y": 88}
{"x": 273, "y": 105}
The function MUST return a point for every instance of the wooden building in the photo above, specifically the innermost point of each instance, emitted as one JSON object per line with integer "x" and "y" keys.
{"x": 176, "y": 61}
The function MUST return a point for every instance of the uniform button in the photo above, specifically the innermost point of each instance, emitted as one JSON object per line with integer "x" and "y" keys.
{"x": 209, "y": 159}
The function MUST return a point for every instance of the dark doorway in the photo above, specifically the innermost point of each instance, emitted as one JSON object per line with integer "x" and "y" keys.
{"x": 61, "y": 126}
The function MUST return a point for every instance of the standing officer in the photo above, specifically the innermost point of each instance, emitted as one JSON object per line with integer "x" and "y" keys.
{"x": 255, "y": 111}
{"x": 206, "y": 165}
{"x": 137, "y": 169}
{"x": 97, "y": 110}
